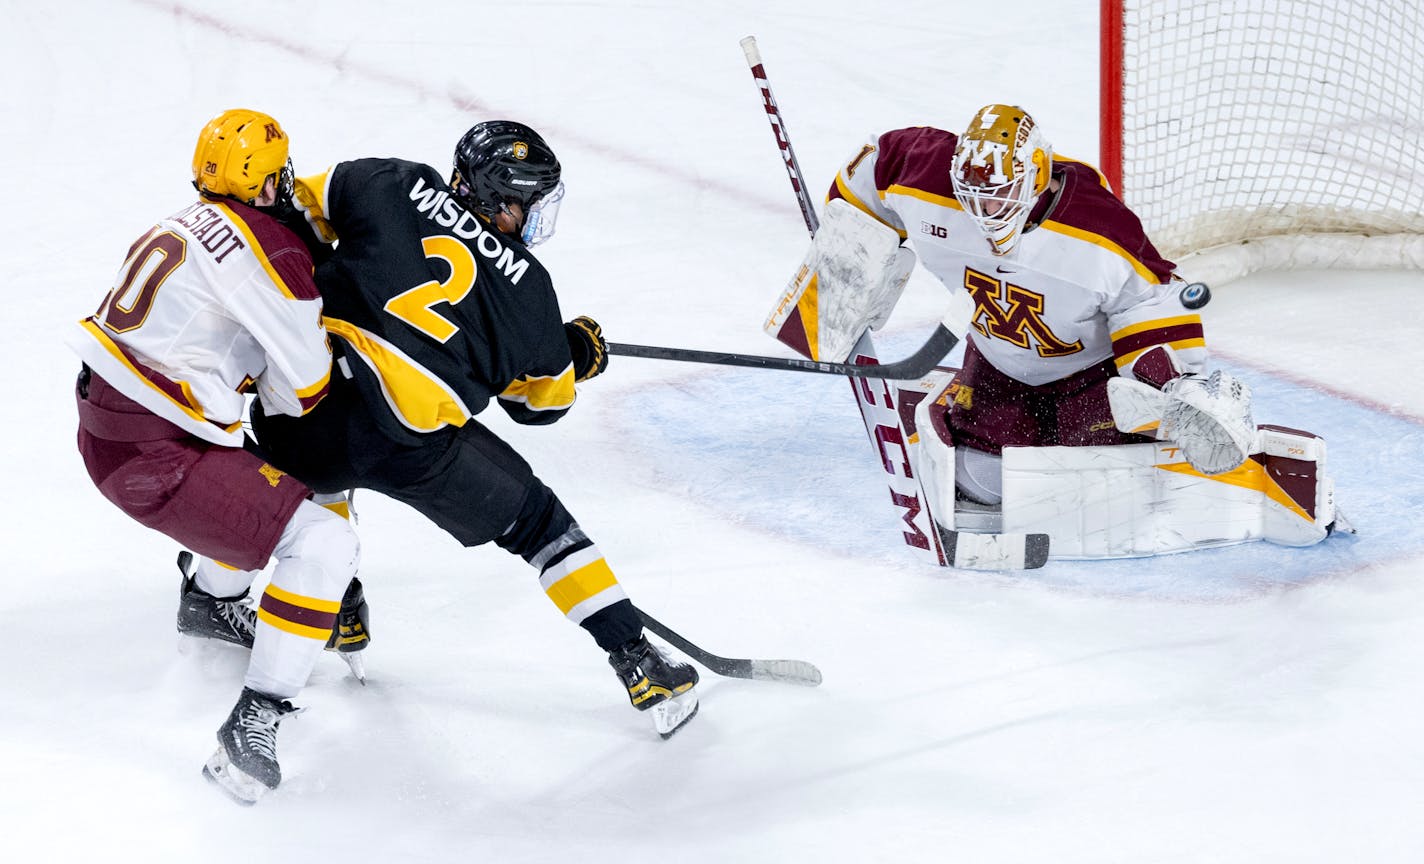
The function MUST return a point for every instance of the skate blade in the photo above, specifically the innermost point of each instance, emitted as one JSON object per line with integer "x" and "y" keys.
{"x": 189, "y": 645}
{"x": 1341, "y": 525}
{"x": 242, "y": 788}
{"x": 672, "y": 714}
{"x": 358, "y": 666}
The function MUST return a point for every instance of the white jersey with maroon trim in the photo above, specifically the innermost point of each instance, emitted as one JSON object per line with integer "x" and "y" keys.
{"x": 212, "y": 302}
{"x": 1084, "y": 285}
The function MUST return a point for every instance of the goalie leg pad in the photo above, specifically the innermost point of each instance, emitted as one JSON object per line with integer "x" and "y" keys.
{"x": 1145, "y": 499}
{"x": 933, "y": 447}
{"x": 1124, "y": 501}
{"x": 935, "y": 458}
{"x": 1300, "y": 497}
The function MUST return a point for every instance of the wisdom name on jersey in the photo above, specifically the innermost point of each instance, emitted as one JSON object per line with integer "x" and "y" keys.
{"x": 437, "y": 314}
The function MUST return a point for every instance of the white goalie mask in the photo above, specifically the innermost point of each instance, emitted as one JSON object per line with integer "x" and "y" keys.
{"x": 1001, "y": 165}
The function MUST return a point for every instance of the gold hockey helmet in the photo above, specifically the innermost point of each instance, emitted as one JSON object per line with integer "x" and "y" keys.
{"x": 237, "y": 151}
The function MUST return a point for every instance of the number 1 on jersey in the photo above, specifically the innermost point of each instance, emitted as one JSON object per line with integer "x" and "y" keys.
{"x": 414, "y": 306}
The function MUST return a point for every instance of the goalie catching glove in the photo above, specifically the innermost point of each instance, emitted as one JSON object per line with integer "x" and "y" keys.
{"x": 1208, "y": 417}
{"x": 587, "y": 347}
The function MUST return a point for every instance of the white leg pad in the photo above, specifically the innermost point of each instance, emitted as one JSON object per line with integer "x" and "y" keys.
{"x": 932, "y": 452}
{"x": 1300, "y": 505}
{"x": 1144, "y": 499}
{"x": 966, "y": 544}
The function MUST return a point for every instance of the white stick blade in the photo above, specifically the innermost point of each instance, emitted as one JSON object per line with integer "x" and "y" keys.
{"x": 997, "y": 551}
{"x": 787, "y": 672}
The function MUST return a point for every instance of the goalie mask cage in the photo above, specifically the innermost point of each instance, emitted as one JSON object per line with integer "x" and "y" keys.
{"x": 1268, "y": 134}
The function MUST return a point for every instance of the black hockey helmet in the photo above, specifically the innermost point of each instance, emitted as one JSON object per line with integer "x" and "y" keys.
{"x": 502, "y": 162}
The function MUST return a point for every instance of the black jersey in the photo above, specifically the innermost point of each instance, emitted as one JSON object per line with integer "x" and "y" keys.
{"x": 437, "y": 311}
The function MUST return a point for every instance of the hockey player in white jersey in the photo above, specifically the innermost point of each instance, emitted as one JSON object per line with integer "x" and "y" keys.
{"x": 1079, "y": 335}
{"x": 211, "y": 303}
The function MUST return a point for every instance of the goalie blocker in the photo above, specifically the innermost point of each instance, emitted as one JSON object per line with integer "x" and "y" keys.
{"x": 849, "y": 281}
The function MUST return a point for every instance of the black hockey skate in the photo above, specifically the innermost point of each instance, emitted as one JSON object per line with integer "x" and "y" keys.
{"x": 245, "y": 764}
{"x": 352, "y": 632}
{"x": 657, "y": 683}
{"x": 201, "y": 615}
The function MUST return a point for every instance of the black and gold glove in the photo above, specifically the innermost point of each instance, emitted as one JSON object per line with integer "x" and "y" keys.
{"x": 586, "y": 344}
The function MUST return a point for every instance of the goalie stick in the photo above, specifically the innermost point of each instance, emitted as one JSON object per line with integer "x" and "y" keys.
{"x": 785, "y": 671}
{"x": 963, "y": 549}
{"x": 917, "y": 365}
{"x": 778, "y": 131}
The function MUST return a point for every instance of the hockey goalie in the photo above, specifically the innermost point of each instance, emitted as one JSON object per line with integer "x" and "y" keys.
{"x": 1084, "y": 420}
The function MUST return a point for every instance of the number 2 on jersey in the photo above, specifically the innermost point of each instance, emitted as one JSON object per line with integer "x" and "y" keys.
{"x": 414, "y": 306}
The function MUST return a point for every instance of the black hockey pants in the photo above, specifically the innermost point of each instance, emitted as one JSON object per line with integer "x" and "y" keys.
{"x": 467, "y": 480}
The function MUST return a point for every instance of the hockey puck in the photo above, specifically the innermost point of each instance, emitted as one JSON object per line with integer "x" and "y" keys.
{"x": 1196, "y": 295}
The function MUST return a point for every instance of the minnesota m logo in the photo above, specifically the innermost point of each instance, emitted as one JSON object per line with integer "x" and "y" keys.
{"x": 1008, "y": 312}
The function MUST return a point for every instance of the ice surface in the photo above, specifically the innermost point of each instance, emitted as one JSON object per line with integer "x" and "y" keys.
{"x": 1247, "y": 705}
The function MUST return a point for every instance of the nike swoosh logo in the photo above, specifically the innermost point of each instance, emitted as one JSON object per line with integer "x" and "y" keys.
{"x": 1004, "y": 270}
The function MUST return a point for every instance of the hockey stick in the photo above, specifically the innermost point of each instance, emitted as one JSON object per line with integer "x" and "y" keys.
{"x": 785, "y": 671}
{"x": 963, "y": 549}
{"x": 778, "y": 131}
{"x": 917, "y": 365}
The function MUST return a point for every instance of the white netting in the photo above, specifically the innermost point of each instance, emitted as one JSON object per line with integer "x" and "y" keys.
{"x": 1246, "y": 119}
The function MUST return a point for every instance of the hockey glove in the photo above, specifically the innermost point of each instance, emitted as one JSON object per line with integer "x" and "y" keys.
{"x": 587, "y": 347}
{"x": 1210, "y": 419}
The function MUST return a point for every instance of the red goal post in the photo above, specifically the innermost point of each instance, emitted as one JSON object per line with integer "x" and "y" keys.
{"x": 1268, "y": 134}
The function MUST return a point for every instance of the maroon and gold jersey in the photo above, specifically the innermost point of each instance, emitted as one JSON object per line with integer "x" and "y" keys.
{"x": 1083, "y": 285}
{"x": 214, "y": 302}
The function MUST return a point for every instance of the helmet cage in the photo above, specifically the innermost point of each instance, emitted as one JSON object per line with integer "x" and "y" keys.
{"x": 286, "y": 181}
{"x": 1000, "y": 167}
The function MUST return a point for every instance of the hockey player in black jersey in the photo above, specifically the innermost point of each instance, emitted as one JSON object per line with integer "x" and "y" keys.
{"x": 438, "y": 307}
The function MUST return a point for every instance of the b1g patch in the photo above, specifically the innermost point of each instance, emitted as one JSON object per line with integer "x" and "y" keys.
{"x": 1196, "y": 295}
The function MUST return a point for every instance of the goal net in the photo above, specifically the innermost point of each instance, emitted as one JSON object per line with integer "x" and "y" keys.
{"x": 1268, "y": 134}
